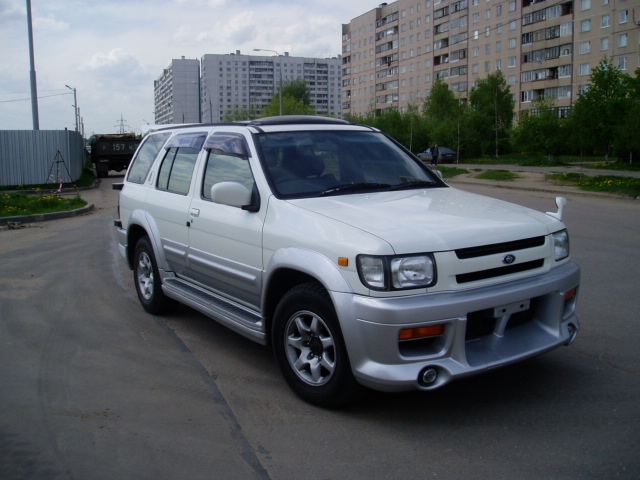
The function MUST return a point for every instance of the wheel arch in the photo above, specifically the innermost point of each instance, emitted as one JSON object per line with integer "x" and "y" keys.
{"x": 293, "y": 266}
{"x": 140, "y": 225}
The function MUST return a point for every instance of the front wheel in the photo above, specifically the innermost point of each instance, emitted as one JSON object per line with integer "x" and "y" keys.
{"x": 310, "y": 350}
{"x": 147, "y": 280}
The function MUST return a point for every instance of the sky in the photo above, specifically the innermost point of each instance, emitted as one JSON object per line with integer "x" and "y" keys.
{"x": 111, "y": 51}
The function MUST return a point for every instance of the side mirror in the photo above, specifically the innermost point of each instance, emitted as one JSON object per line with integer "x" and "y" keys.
{"x": 561, "y": 202}
{"x": 233, "y": 194}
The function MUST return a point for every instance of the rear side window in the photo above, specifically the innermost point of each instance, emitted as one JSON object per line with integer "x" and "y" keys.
{"x": 178, "y": 164}
{"x": 146, "y": 155}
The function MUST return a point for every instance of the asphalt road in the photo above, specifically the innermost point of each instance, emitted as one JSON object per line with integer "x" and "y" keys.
{"x": 92, "y": 387}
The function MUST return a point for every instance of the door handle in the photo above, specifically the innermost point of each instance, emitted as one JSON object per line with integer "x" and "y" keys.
{"x": 195, "y": 212}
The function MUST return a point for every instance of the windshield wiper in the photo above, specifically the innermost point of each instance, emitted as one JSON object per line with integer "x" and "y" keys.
{"x": 416, "y": 184}
{"x": 352, "y": 187}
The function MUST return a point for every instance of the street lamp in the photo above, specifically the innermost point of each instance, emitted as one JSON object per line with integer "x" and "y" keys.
{"x": 75, "y": 106}
{"x": 273, "y": 51}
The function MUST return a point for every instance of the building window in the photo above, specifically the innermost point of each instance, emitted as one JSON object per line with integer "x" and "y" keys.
{"x": 604, "y": 43}
{"x": 624, "y": 16}
{"x": 476, "y": 18}
{"x": 487, "y": 66}
{"x": 511, "y": 80}
{"x": 585, "y": 25}
{"x": 498, "y": 46}
{"x": 585, "y": 5}
{"x": 622, "y": 63}
{"x": 605, "y": 21}
{"x": 512, "y": 61}
{"x": 585, "y": 47}
{"x": 622, "y": 40}
{"x": 499, "y": 28}
{"x": 474, "y": 68}
{"x": 498, "y": 10}
{"x": 498, "y": 64}
{"x": 513, "y": 24}
{"x": 512, "y": 6}
{"x": 512, "y": 43}
{"x": 585, "y": 69}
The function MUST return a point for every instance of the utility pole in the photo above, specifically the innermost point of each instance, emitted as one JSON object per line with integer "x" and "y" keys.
{"x": 32, "y": 72}
{"x": 75, "y": 104}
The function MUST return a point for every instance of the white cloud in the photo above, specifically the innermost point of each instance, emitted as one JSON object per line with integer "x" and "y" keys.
{"x": 111, "y": 52}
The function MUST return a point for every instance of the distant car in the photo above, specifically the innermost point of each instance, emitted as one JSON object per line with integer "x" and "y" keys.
{"x": 446, "y": 155}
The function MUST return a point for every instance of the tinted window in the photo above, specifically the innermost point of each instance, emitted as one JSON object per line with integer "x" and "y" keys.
{"x": 178, "y": 164}
{"x": 145, "y": 157}
{"x": 226, "y": 168}
{"x": 317, "y": 162}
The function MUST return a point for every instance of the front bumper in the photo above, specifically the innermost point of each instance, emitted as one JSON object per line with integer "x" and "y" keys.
{"x": 476, "y": 337}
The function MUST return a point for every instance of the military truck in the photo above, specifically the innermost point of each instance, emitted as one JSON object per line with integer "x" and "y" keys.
{"x": 113, "y": 152}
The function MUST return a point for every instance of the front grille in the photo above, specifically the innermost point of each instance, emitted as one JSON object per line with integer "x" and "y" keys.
{"x": 484, "y": 250}
{"x": 497, "y": 272}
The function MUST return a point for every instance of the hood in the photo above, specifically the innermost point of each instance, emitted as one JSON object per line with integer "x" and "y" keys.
{"x": 439, "y": 219}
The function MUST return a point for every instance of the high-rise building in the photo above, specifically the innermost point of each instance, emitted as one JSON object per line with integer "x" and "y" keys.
{"x": 177, "y": 93}
{"x": 394, "y": 53}
{"x": 233, "y": 82}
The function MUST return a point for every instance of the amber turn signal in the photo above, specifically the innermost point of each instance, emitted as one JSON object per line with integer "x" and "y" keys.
{"x": 421, "y": 332}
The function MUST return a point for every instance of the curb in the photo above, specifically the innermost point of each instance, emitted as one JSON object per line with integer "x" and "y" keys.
{"x": 44, "y": 217}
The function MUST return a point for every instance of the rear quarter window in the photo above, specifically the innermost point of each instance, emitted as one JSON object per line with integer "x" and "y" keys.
{"x": 141, "y": 163}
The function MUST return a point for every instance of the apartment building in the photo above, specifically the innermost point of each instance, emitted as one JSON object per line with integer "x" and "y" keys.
{"x": 393, "y": 54}
{"x": 232, "y": 82}
{"x": 176, "y": 93}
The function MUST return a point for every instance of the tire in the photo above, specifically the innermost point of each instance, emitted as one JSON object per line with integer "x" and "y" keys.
{"x": 310, "y": 350}
{"x": 147, "y": 280}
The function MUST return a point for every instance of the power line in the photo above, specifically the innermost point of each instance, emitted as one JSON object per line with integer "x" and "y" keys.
{"x": 39, "y": 96}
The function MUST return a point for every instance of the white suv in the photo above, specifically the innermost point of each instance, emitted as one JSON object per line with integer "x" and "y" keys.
{"x": 337, "y": 246}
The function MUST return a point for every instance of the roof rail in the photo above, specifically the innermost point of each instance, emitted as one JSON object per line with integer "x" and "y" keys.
{"x": 297, "y": 120}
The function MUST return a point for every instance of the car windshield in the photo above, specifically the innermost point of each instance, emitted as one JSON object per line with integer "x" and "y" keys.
{"x": 321, "y": 163}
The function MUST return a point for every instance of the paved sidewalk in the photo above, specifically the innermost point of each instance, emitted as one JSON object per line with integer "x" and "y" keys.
{"x": 534, "y": 178}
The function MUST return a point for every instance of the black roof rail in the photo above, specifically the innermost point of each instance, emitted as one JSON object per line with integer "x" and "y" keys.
{"x": 297, "y": 120}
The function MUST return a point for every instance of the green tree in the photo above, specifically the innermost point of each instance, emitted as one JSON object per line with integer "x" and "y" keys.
{"x": 408, "y": 128}
{"x": 600, "y": 112}
{"x": 298, "y": 89}
{"x": 290, "y": 106}
{"x": 540, "y": 133}
{"x": 241, "y": 114}
{"x": 492, "y": 113}
{"x": 296, "y": 100}
{"x": 446, "y": 118}
{"x": 627, "y": 139}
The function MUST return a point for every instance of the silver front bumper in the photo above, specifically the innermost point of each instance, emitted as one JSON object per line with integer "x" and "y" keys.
{"x": 476, "y": 338}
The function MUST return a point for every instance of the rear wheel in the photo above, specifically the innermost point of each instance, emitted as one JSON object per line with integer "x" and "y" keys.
{"x": 147, "y": 280}
{"x": 310, "y": 350}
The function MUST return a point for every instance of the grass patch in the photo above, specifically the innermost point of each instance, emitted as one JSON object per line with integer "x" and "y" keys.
{"x": 515, "y": 159}
{"x": 13, "y": 205}
{"x": 628, "y": 167}
{"x": 501, "y": 175}
{"x": 450, "y": 172}
{"x": 602, "y": 183}
{"x": 542, "y": 161}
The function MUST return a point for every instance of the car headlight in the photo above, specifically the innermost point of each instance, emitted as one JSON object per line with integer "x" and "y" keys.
{"x": 561, "y": 245}
{"x": 397, "y": 272}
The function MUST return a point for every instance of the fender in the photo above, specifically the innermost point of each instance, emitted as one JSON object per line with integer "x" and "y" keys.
{"x": 147, "y": 222}
{"x": 309, "y": 262}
